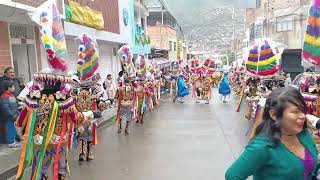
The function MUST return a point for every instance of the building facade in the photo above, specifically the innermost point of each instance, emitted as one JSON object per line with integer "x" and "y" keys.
{"x": 21, "y": 48}
{"x": 140, "y": 40}
{"x": 163, "y": 35}
{"x": 283, "y": 22}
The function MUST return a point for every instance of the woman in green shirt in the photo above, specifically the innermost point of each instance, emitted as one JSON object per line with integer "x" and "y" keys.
{"x": 282, "y": 149}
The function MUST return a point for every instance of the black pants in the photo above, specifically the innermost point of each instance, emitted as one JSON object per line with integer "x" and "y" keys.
{"x": 198, "y": 92}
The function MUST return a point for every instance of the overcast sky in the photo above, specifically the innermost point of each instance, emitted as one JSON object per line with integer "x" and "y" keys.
{"x": 187, "y": 11}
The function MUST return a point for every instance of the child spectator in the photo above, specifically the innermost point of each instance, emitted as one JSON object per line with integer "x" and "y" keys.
{"x": 9, "y": 113}
{"x": 108, "y": 86}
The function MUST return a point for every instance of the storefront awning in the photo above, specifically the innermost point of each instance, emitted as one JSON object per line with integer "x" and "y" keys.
{"x": 162, "y": 62}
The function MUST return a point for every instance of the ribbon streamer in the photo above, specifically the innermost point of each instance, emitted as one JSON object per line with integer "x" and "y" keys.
{"x": 27, "y": 144}
{"x": 48, "y": 132}
{"x": 94, "y": 134}
{"x": 58, "y": 150}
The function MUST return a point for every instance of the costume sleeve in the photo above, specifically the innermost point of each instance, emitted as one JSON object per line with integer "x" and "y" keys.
{"x": 253, "y": 159}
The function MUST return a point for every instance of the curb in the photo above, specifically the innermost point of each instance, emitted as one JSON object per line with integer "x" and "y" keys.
{"x": 9, "y": 173}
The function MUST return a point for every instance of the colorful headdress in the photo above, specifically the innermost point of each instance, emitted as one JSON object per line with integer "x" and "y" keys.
{"x": 311, "y": 52}
{"x": 48, "y": 18}
{"x": 125, "y": 57}
{"x": 141, "y": 65}
{"x": 195, "y": 63}
{"x": 252, "y": 58}
{"x": 87, "y": 58}
{"x": 209, "y": 66}
{"x": 157, "y": 71}
{"x": 263, "y": 63}
{"x": 200, "y": 70}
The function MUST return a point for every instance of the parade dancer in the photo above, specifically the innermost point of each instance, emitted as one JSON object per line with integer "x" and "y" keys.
{"x": 141, "y": 70}
{"x": 251, "y": 96}
{"x": 182, "y": 89}
{"x": 50, "y": 117}
{"x": 49, "y": 123}
{"x": 206, "y": 90}
{"x": 125, "y": 105}
{"x": 88, "y": 94}
{"x": 197, "y": 83}
{"x": 149, "y": 94}
{"x": 126, "y": 97}
{"x": 154, "y": 86}
{"x": 224, "y": 88}
{"x": 109, "y": 88}
{"x": 173, "y": 89}
{"x": 141, "y": 101}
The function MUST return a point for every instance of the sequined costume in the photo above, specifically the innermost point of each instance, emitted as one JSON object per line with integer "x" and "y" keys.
{"x": 87, "y": 132}
{"x": 308, "y": 84}
{"x": 141, "y": 101}
{"x": 206, "y": 90}
{"x": 49, "y": 120}
{"x": 126, "y": 101}
{"x": 202, "y": 86}
{"x": 49, "y": 123}
{"x": 139, "y": 88}
{"x": 89, "y": 94}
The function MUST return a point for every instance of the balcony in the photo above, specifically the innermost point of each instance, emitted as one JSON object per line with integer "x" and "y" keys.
{"x": 140, "y": 6}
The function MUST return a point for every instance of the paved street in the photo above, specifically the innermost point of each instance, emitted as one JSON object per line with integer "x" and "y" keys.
{"x": 178, "y": 141}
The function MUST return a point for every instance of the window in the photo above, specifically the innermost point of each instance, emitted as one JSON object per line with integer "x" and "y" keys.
{"x": 170, "y": 46}
{"x": 284, "y": 23}
{"x": 174, "y": 46}
{"x": 143, "y": 24}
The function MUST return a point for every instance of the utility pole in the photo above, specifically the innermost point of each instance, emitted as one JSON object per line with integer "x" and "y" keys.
{"x": 162, "y": 8}
{"x": 233, "y": 33}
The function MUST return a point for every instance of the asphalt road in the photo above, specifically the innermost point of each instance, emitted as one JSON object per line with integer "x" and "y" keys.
{"x": 177, "y": 142}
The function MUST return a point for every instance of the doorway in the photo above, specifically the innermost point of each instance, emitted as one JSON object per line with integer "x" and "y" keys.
{"x": 24, "y": 60}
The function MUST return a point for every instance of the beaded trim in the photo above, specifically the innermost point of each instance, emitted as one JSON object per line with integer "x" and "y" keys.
{"x": 31, "y": 103}
{"x": 51, "y": 79}
{"x": 67, "y": 103}
{"x": 308, "y": 97}
{"x": 63, "y": 104}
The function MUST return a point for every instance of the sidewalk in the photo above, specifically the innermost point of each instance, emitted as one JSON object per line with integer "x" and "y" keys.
{"x": 10, "y": 157}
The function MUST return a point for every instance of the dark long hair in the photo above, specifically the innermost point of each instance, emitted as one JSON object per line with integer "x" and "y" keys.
{"x": 278, "y": 101}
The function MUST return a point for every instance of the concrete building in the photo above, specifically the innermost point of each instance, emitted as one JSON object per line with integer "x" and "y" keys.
{"x": 21, "y": 48}
{"x": 140, "y": 40}
{"x": 163, "y": 35}
{"x": 19, "y": 44}
{"x": 284, "y": 22}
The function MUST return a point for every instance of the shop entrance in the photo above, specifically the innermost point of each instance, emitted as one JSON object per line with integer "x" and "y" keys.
{"x": 24, "y": 61}
{"x": 23, "y": 50}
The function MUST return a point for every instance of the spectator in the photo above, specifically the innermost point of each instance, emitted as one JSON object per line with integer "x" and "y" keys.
{"x": 283, "y": 147}
{"x": 108, "y": 86}
{"x": 9, "y": 112}
{"x": 10, "y": 76}
{"x": 22, "y": 83}
{"x": 98, "y": 77}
